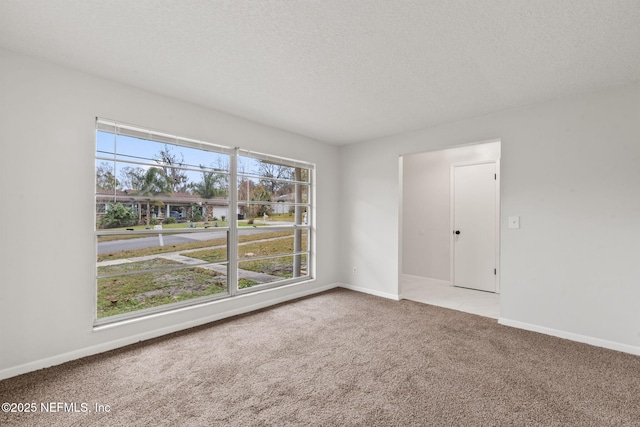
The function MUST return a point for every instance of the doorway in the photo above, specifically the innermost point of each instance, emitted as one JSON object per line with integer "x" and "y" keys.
{"x": 427, "y": 246}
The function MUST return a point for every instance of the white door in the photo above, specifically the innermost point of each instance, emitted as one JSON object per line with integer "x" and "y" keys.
{"x": 474, "y": 226}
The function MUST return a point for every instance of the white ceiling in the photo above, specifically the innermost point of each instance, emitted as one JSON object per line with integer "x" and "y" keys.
{"x": 339, "y": 71}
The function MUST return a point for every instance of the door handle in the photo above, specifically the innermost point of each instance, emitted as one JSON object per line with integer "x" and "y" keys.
{"x": 456, "y": 232}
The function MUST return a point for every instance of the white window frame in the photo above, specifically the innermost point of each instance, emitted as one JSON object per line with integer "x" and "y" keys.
{"x": 233, "y": 230}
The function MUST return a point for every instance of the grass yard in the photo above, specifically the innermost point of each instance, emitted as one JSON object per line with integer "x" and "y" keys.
{"x": 156, "y": 250}
{"x": 182, "y": 225}
{"x": 126, "y": 291}
{"x": 281, "y": 244}
{"x": 123, "y": 294}
{"x": 279, "y": 267}
{"x": 246, "y": 283}
{"x": 176, "y": 226}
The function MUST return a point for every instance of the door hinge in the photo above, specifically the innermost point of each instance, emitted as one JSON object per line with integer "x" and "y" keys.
{"x": 495, "y": 176}
{"x": 495, "y": 271}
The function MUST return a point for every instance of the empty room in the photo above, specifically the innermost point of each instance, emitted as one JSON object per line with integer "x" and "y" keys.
{"x": 280, "y": 212}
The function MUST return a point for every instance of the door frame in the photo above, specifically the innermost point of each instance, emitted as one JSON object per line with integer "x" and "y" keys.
{"x": 452, "y": 256}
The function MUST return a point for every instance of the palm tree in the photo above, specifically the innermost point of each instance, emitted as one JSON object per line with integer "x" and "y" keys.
{"x": 212, "y": 185}
{"x": 207, "y": 187}
{"x": 154, "y": 182}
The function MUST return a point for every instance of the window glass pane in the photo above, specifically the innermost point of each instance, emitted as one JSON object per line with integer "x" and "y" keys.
{"x": 164, "y": 180}
{"x": 105, "y": 144}
{"x": 272, "y": 214}
{"x": 124, "y": 210}
{"x": 151, "y": 153}
{"x": 253, "y": 190}
{"x": 211, "y": 254}
{"x": 270, "y": 170}
{"x": 119, "y": 215}
{"x": 106, "y": 181}
{"x": 258, "y": 198}
{"x": 148, "y": 181}
{"x": 272, "y": 269}
{"x": 132, "y": 247}
{"x": 202, "y": 196}
{"x": 267, "y": 242}
{"x": 127, "y": 293}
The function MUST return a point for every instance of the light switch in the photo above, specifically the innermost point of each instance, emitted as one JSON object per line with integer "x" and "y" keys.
{"x": 514, "y": 222}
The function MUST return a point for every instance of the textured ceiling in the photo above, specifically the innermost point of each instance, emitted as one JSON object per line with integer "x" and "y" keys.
{"x": 340, "y": 71}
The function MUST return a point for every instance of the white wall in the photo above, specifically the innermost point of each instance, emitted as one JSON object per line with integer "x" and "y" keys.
{"x": 426, "y": 206}
{"x": 47, "y": 255}
{"x": 571, "y": 170}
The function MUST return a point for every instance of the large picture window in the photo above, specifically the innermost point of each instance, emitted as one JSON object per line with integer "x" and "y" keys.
{"x": 180, "y": 221}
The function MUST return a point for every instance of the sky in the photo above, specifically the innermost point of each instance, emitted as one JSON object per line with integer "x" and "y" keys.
{"x": 138, "y": 152}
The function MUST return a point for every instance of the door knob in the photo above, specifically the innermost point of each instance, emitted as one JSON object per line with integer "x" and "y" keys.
{"x": 456, "y": 232}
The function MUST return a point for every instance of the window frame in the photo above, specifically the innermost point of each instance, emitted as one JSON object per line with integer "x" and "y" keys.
{"x": 309, "y": 210}
{"x": 233, "y": 231}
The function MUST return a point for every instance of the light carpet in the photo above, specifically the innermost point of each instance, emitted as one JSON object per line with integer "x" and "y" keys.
{"x": 340, "y": 358}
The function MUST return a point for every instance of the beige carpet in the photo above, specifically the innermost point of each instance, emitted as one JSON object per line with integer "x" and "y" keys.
{"x": 341, "y": 358}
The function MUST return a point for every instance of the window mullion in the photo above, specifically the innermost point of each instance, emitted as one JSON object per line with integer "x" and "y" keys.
{"x": 232, "y": 239}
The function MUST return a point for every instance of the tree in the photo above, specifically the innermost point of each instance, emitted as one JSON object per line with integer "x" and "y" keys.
{"x": 213, "y": 184}
{"x": 117, "y": 215}
{"x": 277, "y": 172}
{"x": 154, "y": 182}
{"x": 105, "y": 179}
{"x": 245, "y": 189}
{"x": 196, "y": 213}
{"x": 207, "y": 187}
{"x": 171, "y": 164}
{"x": 131, "y": 178}
{"x": 260, "y": 194}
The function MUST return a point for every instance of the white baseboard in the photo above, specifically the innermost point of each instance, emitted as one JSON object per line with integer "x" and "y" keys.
{"x": 611, "y": 345}
{"x": 111, "y": 345}
{"x": 370, "y": 291}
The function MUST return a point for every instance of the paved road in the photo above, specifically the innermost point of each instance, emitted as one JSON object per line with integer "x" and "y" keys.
{"x": 168, "y": 239}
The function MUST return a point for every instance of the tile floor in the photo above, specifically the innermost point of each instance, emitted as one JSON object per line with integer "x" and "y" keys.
{"x": 476, "y": 302}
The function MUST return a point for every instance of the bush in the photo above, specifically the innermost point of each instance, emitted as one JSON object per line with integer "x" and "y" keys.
{"x": 196, "y": 213}
{"x": 170, "y": 220}
{"x": 118, "y": 215}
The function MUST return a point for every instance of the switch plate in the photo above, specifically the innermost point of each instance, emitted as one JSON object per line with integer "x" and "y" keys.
{"x": 514, "y": 222}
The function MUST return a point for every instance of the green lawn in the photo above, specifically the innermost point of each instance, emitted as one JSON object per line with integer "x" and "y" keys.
{"x": 131, "y": 292}
{"x": 156, "y": 250}
{"x": 123, "y": 294}
{"x": 184, "y": 225}
{"x": 281, "y": 266}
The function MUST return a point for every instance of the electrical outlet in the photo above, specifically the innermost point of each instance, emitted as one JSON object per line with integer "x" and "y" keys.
{"x": 355, "y": 271}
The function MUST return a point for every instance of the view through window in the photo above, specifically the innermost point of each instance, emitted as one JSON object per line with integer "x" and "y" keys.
{"x": 180, "y": 221}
